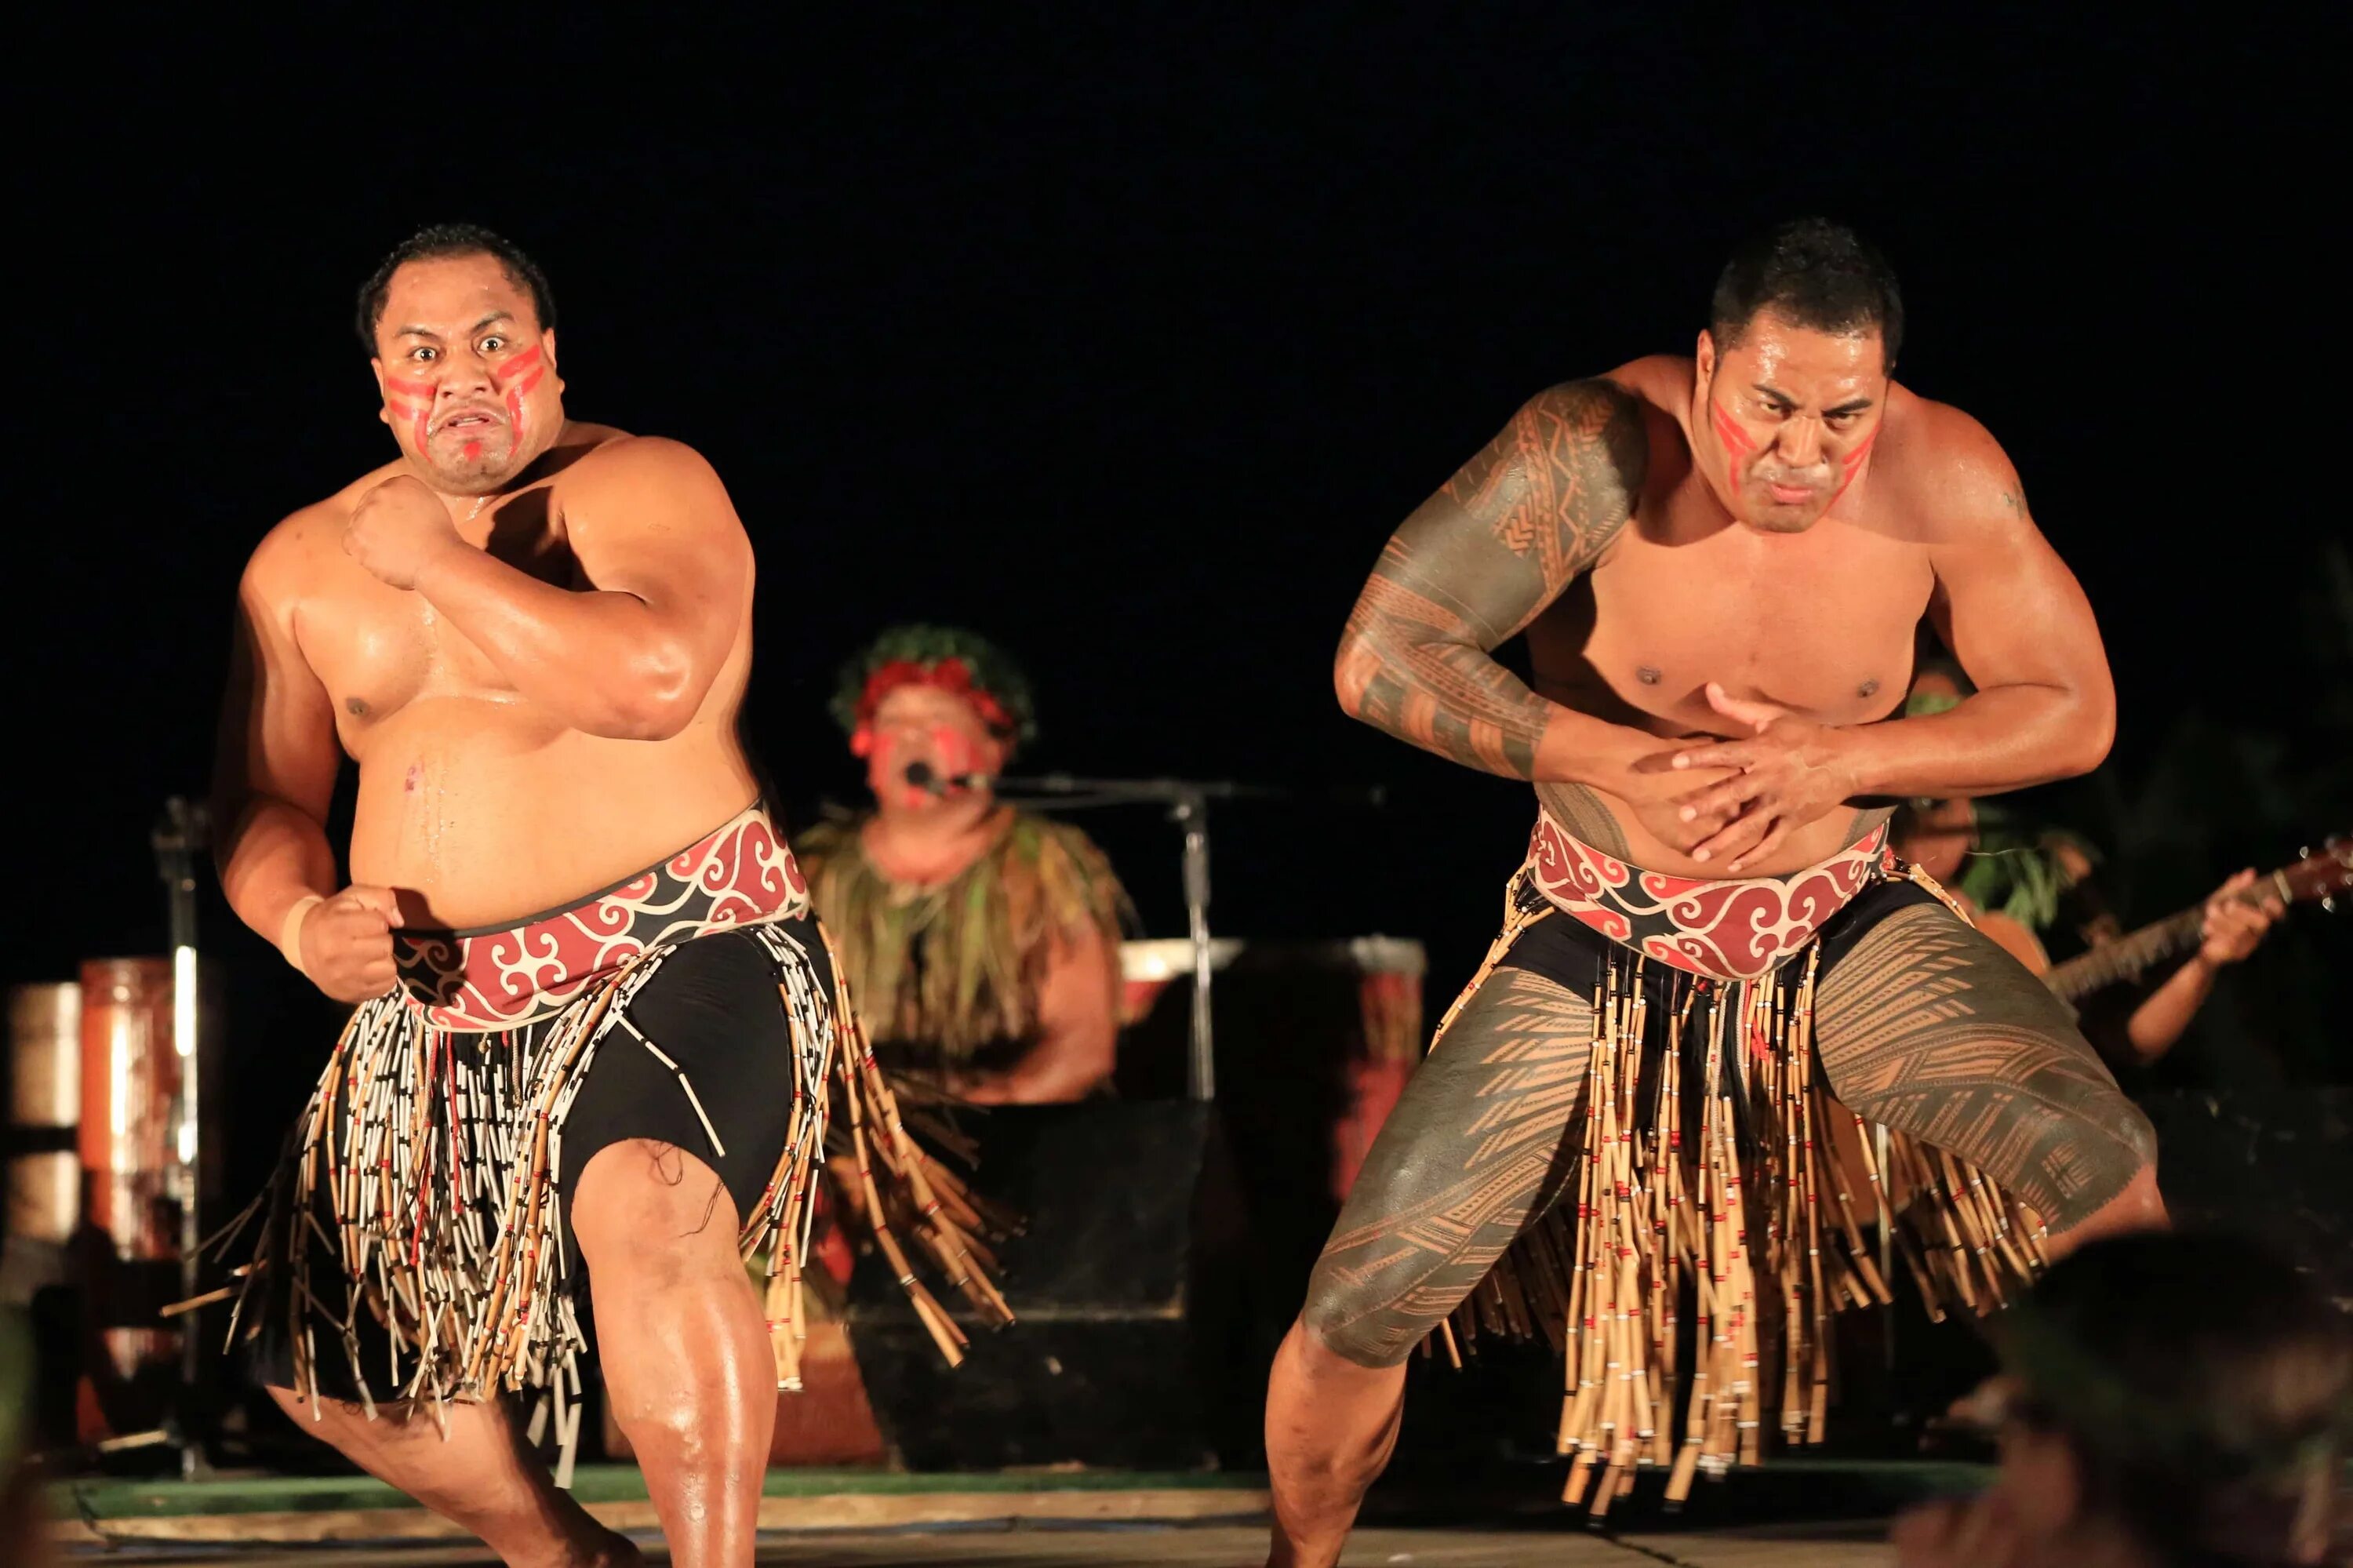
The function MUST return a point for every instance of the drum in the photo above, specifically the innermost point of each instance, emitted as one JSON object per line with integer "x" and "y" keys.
{"x": 43, "y": 1108}
{"x": 1146, "y": 969}
{"x": 1390, "y": 973}
{"x": 130, "y": 1084}
{"x": 133, "y": 1179}
{"x": 130, "y": 1080}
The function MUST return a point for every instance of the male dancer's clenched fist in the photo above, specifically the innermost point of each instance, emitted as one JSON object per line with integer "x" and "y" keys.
{"x": 396, "y": 528}
{"x": 344, "y": 943}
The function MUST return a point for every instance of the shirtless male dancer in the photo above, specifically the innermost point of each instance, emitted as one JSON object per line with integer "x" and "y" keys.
{"x": 577, "y": 1044}
{"x": 1719, "y": 563}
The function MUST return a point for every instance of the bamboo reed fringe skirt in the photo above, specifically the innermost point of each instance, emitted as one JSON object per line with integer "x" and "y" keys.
{"x": 413, "y": 1235}
{"x": 1722, "y": 1203}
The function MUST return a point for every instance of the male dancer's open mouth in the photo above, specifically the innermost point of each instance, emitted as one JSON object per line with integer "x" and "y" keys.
{"x": 470, "y": 420}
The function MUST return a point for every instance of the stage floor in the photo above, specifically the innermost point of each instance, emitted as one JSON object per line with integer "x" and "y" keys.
{"x": 1854, "y": 1544}
{"x": 1829, "y": 1512}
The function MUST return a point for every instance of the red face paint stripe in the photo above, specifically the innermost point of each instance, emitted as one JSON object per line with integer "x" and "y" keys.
{"x": 415, "y": 399}
{"x": 1851, "y": 464}
{"x": 1737, "y": 444}
{"x": 517, "y": 386}
{"x": 1730, "y": 432}
{"x": 518, "y": 364}
{"x": 418, "y": 413}
{"x": 1854, "y": 458}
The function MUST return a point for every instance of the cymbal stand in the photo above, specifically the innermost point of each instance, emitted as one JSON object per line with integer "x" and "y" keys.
{"x": 1188, "y": 802}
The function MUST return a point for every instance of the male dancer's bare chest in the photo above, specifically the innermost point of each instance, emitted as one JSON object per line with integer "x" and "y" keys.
{"x": 1821, "y": 624}
{"x": 382, "y": 651}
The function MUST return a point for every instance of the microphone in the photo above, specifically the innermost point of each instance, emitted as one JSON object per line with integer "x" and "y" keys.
{"x": 924, "y": 777}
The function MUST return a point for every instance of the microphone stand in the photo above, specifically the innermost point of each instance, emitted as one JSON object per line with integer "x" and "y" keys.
{"x": 178, "y": 839}
{"x": 1189, "y": 807}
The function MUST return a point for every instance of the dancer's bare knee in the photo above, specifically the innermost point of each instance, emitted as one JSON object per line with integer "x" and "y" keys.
{"x": 2139, "y": 1134}
{"x": 645, "y": 1202}
{"x": 2132, "y": 1203}
{"x": 1325, "y": 1348}
{"x": 2138, "y": 1207}
{"x": 1341, "y": 1330}
{"x": 1330, "y": 1426}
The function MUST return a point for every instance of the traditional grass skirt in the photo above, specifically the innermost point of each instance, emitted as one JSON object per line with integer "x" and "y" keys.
{"x": 415, "y": 1214}
{"x": 1722, "y": 1198}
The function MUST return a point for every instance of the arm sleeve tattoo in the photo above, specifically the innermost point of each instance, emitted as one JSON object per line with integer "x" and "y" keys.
{"x": 1477, "y": 562}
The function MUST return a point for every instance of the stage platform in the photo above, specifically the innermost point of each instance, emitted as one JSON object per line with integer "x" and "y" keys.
{"x": 1213, "y": 1546}
{"x": 1831, "y": 1513}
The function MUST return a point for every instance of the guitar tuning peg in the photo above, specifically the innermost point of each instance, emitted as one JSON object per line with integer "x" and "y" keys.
{"x": 2328, "y": 902}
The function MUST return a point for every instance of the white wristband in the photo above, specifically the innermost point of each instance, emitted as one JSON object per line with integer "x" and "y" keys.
{"x": 289, "y": 934}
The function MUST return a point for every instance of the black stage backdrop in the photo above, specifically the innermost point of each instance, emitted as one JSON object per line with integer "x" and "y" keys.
{"x": 1125, "y": 334}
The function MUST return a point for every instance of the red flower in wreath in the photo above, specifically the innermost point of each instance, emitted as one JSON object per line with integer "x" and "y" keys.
{"x": 958, "y": 661}
{"x": 952, "y": 675}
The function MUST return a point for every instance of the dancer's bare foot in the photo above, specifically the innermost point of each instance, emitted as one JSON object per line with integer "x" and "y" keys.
{"x": 605, "y": 1549}
{"x": 618, "y": 1550}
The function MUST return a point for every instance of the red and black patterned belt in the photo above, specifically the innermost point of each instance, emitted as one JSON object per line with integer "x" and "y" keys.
{"x": 741, "y": 874}
{"x": 1728, "y": 931}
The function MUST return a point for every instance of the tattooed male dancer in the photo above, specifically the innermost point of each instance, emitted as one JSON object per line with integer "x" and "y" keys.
{"x": 578, "y": 1046}
{"x": 1719, "y": 563}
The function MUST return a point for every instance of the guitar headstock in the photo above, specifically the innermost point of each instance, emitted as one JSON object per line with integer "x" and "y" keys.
{"x": 2324, "y": 873}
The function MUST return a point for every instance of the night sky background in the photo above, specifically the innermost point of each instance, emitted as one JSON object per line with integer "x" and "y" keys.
{"x": 1126, "y": 333}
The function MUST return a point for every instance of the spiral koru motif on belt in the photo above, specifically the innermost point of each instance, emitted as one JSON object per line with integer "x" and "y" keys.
{"x": 741, "y": 874}
{"x": 1728, "y": 931}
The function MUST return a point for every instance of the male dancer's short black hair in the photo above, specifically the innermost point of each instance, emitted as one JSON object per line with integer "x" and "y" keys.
{"x": 453, "y": 239}
{"x": 1812, "y": 273}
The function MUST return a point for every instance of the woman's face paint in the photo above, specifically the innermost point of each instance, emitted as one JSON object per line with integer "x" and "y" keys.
{"x": 937, "y": 729}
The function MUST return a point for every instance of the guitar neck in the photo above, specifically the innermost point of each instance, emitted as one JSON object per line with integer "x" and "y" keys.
{"x": 2127, "y": 956}
{"x": 2322, "y": 876}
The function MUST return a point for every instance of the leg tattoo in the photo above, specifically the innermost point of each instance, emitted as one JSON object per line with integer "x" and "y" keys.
{"x": 1485, "y": 1137}
{"x": 1933, "y": 1029}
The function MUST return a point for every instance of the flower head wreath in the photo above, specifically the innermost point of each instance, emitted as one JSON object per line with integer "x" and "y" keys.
{"x": 946, "y": 657}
